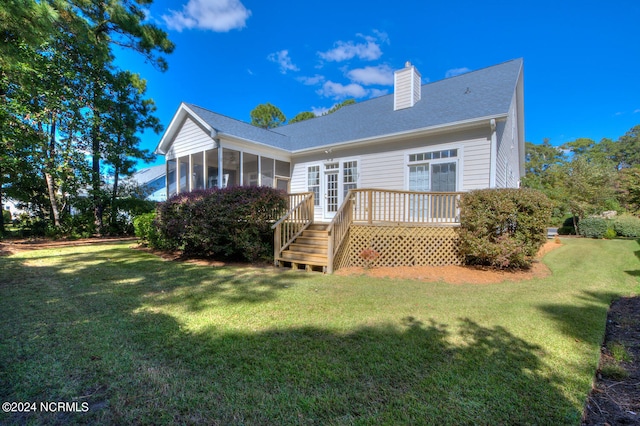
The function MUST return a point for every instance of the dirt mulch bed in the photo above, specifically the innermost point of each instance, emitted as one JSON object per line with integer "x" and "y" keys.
{"x": 616, "y": 401}
{"x": 456, "y": 274}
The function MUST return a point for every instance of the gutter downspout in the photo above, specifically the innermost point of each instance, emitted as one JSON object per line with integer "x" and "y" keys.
{"x": 493, "y": 154}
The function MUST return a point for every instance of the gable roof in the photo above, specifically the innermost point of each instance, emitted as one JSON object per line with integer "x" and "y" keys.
{"x": 477, "y": 95}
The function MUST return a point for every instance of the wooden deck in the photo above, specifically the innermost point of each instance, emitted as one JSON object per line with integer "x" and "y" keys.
{"x": 370, "y": 219}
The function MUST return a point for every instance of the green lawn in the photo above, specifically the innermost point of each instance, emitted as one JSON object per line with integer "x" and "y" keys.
{"x": 150, "y": 342}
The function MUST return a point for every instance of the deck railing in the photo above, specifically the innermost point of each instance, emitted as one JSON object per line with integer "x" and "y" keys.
{"x": 338, "y": 229}
{"x": 291, "y": 225}
{"x": 379, "y": 206}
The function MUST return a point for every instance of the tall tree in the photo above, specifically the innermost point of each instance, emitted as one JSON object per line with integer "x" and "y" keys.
{"x": 104, "y": 24}
{"x": 340, "y": 105}
{"x": 538, "y": 160}
{"x": 267, "y": 116}
{"x": 128, "y": 115}
{"x": 302, "y": 116}
{"x": 629, "y": 148}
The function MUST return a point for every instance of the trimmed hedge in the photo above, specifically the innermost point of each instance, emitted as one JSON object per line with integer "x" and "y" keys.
{"x": 593, "y": 227}
{"x": 232, "y": 223}
{"x": 627, "y": 226}
{"x": 503, "y": 228}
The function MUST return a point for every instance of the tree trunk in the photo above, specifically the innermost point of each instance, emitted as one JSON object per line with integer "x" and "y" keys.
{"x": 51, "y": 185}
{"x": 1, "y": 207}
{"x": 114, "y": 195}
{"x": 98, "y": 208}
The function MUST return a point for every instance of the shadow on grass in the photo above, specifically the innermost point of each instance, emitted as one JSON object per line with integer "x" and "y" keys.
{"x": 134, "y": 365}
{"x": 583, "y": 321}
{"x": 636, "y": 272}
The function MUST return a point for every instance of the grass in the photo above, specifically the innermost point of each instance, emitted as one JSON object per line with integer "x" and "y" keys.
{"x": 145, "y": 341}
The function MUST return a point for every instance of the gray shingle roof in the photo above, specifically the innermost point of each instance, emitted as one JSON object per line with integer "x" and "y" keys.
{"x": 483, "y": 93}
{"x": 240, "y": 129}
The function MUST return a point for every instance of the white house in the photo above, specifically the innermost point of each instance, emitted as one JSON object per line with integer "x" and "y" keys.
{"x": 153, "y": 180}
{"x": 453, "y": 135}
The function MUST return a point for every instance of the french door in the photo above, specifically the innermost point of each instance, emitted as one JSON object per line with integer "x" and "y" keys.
{"x": 332, "y": 193}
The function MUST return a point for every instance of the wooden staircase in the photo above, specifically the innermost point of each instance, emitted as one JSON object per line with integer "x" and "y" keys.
{"x": 309, "y": 249}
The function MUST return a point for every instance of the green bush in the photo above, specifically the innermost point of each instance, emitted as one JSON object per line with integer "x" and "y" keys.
{"x": 6, "y": 217}
{"x": 503, "y": 228}
{"x": 233, "y": 223}
{"x": 593, "y": 227}
{"x": 146, "y": 230}
{"x": 610, "y": 234}
{"x": 627, "y": 226}
{"x": 567, "y": 230}
{"x": 567, "y": 227}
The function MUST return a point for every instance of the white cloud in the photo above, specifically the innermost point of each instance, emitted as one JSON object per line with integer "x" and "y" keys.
{"x": 374, "y": 93}
{"x": 214, "y": 15}
{"x": 318, "y": 111}
{"x": 282, "y": 58}
{"x": 381, "y": 74}
{"x": 311, "y": 81}
{"x": 340, "y": 91}
{"x": 456, "y": 71}
{"x": 367, "y": 50}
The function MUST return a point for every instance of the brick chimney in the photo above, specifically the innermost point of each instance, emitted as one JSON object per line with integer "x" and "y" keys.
{"x": 407, "y": 87}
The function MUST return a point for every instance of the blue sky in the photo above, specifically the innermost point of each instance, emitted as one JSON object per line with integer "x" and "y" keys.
{"x": 582, "y": 58}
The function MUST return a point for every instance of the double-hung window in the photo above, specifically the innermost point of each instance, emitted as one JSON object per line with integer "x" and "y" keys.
{"x": 313, "y": 183}
{"x": 431, "y": 171}
{"x": 349, "y": 176}
{"x": 434, "y": 171}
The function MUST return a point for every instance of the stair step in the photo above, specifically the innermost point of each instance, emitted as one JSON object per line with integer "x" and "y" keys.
{"x": 318, "y": 227}
{"x": 305, "y": 258}
{"x": 313, "y": 241}
{"x": 315, "y": 233}
{"x": 309, "y": 248}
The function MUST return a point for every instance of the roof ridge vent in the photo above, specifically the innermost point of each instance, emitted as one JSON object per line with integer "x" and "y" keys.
{"x": 407, "y": 87}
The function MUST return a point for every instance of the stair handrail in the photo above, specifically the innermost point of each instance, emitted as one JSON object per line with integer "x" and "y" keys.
{"x": 291, "y": 225}
{"x": 338, "y": 228}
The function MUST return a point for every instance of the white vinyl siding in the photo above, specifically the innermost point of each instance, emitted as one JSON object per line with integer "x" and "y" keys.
{"x": 477, "y": 160}
{"x": 190, "y": 139}
{"x": 507, "y": 167}
{"x": 382, "y": 170}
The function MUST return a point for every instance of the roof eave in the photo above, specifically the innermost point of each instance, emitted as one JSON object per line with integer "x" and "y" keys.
{"x": 235, "y": 138}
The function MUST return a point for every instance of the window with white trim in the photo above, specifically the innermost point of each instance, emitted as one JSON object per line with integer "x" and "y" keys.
{"x": 349, "y": 176}
{"x": 313, "y": 183}
{"x": 434, "y": 171}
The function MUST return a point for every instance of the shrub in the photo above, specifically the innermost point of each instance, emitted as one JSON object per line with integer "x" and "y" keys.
{"x": 503, "y": 228}
{"x": 610, "y": 234}
{"x": 6, "y": 217}
{"x": 232, "y": 223}
{"x": 567, "y": 230}
{"x": 146, "y": 230}
{"x": 593, "y": 227}
{"x": 627, "y": 226}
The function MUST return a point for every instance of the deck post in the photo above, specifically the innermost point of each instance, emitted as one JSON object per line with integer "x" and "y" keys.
{"x": 370, "y": 205}
{"x": 277, "y": 244}
{"x": 330, "y": 252}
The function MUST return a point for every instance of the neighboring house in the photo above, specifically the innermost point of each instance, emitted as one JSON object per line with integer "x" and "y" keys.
{"x": 14, "y": 208}
{"x": 153, "y": 181}
{"x": 453, "y": 135}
